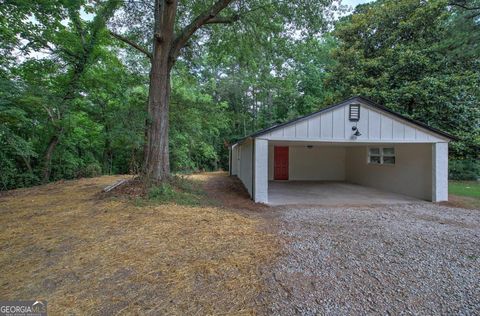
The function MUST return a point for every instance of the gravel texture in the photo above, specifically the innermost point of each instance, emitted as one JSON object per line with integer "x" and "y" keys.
{"x": 420, "y": 258}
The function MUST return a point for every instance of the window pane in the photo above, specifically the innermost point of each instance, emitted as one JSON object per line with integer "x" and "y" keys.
{"x": 389, "y": 151}
{"x": 389, "y": 160}
{"x": 374, "y": 151}
{"x": 375, "y": 159}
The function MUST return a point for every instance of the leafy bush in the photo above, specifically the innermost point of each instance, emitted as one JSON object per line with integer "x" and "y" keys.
{"x": 92, "y": 170}
{"x": 179, "y": 190}
{"x": 163, "y": 192}
{"x": 464, "y": 170}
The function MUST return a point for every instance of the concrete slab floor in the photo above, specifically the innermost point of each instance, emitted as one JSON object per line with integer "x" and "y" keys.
{"x": 330, "y": 193}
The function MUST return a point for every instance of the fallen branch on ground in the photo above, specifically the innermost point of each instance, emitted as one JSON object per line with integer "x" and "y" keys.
{"x": 114, "y": 185}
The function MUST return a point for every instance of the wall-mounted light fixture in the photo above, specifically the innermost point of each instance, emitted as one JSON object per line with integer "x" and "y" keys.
{"x": 357, "y": 132}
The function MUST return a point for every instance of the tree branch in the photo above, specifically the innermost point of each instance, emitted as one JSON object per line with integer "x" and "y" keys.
{"x": 463, "y": 6}
{"x": 131, "y": 43}
{"x": 54, "y": 50}
{"x": 208, "y": 15}
{"x": 223, "y": 20}
{"x": 75, "y": 18}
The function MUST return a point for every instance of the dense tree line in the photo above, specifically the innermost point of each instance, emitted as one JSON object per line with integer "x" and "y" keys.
{"x": 74, "y": 91}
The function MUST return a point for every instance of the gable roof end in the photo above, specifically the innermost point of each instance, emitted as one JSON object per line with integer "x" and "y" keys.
{"x": 346, "y": 102}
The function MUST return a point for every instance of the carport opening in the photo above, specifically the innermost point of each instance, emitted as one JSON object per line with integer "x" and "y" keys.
{"x": 343, "y": 174}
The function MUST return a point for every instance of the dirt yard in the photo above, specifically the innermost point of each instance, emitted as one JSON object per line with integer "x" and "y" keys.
{"x": 91, "y": 253}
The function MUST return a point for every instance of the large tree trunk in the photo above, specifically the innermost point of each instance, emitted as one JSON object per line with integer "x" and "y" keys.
{"x": 156, "y": 155}
{"x": 157, "y": 161}
{"x": 166, "y": 48}
{"x": 52, "y": 144}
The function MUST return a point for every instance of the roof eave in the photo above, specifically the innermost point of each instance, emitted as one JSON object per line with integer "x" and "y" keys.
{"x": 421, "y": 124}
{"x": 360, "y": 98}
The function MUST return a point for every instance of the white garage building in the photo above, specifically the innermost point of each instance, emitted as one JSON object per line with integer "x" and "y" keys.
{"x": 356, "y": 141}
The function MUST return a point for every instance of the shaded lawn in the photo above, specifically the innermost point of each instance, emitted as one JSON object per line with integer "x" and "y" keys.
{"x": 465, "y": 193}
{"x": 88, "y": 254}
{"x": 465, "y": 188}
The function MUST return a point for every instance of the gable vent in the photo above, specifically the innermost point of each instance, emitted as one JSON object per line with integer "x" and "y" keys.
{"x": 354, "y": 113}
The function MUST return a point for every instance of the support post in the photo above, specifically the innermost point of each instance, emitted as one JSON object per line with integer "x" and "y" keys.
{"x": 230, "y": 153}
{"x": 261, "y": 171}
{"x": 234, "y": 159}
{"x": 439, "y": 172}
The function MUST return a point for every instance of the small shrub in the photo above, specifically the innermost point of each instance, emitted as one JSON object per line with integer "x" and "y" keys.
{"x": 179, "y": 190}
{"x": 92, "y": 170}
{"x": 464, "y": 170}
{"x": 162, "y": 192}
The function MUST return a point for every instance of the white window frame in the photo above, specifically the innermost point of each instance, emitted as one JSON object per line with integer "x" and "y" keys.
{"x": 381, "y": 155}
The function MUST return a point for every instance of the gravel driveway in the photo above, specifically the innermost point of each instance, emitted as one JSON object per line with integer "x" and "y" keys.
{"x": 418, "y": 258}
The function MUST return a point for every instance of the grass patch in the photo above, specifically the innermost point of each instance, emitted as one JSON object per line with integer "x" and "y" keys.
{"x": 465, "y": 188}
{"x": 464, "y": 194}
{"x": 179, "y": 190}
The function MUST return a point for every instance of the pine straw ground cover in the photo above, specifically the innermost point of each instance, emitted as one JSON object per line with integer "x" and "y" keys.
{"x": 89, "y": 254}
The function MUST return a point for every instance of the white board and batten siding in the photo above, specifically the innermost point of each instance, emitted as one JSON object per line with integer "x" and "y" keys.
{"x": 244, "y": 161}
{"x": 252, "y": 158}
{"x": 254, "y": 177}
{"x": 334, "y": 126}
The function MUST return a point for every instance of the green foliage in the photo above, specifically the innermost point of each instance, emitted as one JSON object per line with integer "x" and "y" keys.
{"x": 163, "y": 192}
{"x": 178, "y": 190}
{"x": 10, "y": 175}
{"x": 266, "y": 92}
{"x": 463, "y": 34}
{"x": 92, "y": 170}
{"x": 197, "y": 126}
{"x": 395, "y": 52}
{"x": 62, "y": 76}
{"x": 464, "y": 170}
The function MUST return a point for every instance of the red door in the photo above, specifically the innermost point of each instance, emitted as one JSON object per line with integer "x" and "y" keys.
{"x": 280, "y": 164}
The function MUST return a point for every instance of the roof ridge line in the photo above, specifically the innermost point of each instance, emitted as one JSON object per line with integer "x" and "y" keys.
{"x": 341, "y": 103}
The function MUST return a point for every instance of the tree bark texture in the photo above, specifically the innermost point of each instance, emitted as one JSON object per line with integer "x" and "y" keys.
{"x": 156, "y": 155}
{"x": 52, "y": 144}
{"x": 166, "y": 49}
